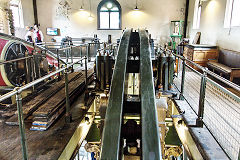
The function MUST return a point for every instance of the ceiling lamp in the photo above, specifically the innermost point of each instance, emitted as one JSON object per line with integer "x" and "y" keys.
{"x": 136, "y": 8}
{"x": 109, "y": 5}
{"x": 90, "y": 18}
{"x": 81, "y": 9}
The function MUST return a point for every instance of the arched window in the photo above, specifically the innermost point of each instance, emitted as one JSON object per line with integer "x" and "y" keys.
{"x": 16, "y": 7}
{"x": 109, "y": 15}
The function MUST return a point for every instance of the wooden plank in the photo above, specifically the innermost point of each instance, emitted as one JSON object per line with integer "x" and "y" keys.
{"x": 30, "y": 106}
{"x": 56, "y": 108}
{"x": 51, "y": 104}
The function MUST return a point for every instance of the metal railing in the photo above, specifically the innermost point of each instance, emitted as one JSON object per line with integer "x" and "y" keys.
{"x": 18, "y": 90}
{"x": 217, "y": 107}
{"x": 69, "y": 52}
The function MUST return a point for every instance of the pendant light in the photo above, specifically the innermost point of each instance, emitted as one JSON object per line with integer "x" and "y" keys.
{"x": 90, "y": 18}
{"x": 136, "y": 8}
{"x": 82, "y": 6}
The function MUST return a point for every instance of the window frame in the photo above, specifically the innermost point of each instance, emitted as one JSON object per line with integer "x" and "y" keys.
{"x": 99, "y": 11}
{"x": 19, "y": 16}
{"x": 230, "y": 8}
{"x": 197, "y": 14}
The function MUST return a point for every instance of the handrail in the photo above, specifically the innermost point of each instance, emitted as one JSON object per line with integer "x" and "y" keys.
{"x": 14, "y": 60}
{"x": 31, "y": 84}
{"x": 29, "y": 43}
{"x": 211, "y": 112}
{"x": 205, "y": 69}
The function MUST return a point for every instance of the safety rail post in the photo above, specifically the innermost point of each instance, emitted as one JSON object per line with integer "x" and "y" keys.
{"x": 181, "y": 97}
{"x": 80, "y": 52}
{"x": 71, "y": 52}
{"x": 21, "y": 123}
{"x": 95, "y": 49}
{"x": 66, "y": 54}
{"x": 88, "y": 52}
{"x": 28, "y": 68}
{"x": 86, "y": 82}
{"x": 58, "y": 61}
{"x": 33, "y": 70}
{"x": 68, "y": 114}
{"x": 72, "y": 70}
{"x": 199, "y": 120}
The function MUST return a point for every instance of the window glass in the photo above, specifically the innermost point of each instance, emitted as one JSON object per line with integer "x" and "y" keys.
{"x": 197, "y": 14}
{"x": 16, "y": 8}
{"x": 114, "y": 9}
{"x": 114, "y": 19}
{"x": 236, "y": 13}
{"x": 109, "y": 14}
{"x": 232, "y": 13}
{"x": 104, "y": 20}
{"x": 104, "y": 9}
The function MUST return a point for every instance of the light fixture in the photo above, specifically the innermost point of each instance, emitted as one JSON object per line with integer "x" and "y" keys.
{"x": 136, "y": 8}
{"x": 82, "y": 7}
{"x": 109, "y": 5}
{"x": 90, "y": 18}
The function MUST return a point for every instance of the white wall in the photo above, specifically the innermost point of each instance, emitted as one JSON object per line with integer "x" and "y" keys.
{"x": 155, "y": 15}
{"x": 211, "y": 26}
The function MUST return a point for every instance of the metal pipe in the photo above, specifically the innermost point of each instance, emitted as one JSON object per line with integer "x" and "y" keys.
{"x": 86, "y": 75}
{"x": 71, "y": 52}
{"x": 88, "y": 52}
{"x": 81, "y": 55}
{"x": 21, "y": 123}
{"x": 68, "y": 114}
{"x": 58, "y": 64}
{"x": 33, "y": 70}
{"x": 86, "y": 84}
{"x": 199, "y": 121}
{"x": 28, "y": 70}
{"x": 15, "y": 60}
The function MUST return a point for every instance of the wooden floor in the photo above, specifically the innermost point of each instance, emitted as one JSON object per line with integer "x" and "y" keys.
{"x": 41, "y": 145}
{"x": 221, "y": 111}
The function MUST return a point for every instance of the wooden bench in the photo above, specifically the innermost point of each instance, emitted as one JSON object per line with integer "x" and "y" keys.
{"x": 228, "y": 63}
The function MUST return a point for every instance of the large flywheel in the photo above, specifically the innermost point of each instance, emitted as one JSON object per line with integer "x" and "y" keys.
{"x": 16, "y": 70}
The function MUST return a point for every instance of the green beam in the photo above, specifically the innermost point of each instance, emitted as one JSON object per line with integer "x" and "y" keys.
{"x": 113, "y": 120}
{"x": 151, "y": 149}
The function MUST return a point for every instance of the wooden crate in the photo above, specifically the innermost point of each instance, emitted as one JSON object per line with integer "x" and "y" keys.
{"x": 200, "y": 55}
